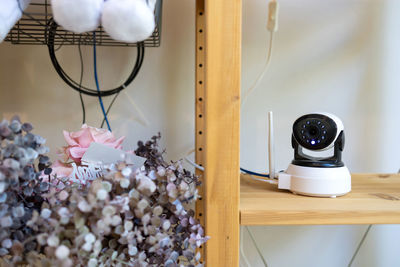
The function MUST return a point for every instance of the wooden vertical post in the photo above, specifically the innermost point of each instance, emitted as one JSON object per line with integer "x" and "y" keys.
{"x": 200, "y": 91}
{"x": 218, "y": 49}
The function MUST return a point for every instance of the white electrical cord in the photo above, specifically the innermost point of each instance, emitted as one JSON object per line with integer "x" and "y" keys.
{"x": 201, "y": 168}
{"x": 142, "y": 117}
{"x": 359, "y": 245}
{"x": 257, "y": 248}
{"x": 272, "y": 27}
{"x": 197, "y": 166}
{"x": 270, "y": 181}
{"x": 264, "y": 71}
{"x": 242, "y": 247}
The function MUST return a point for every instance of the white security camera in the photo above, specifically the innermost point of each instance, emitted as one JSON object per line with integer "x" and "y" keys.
{"x": 317, "y": 176}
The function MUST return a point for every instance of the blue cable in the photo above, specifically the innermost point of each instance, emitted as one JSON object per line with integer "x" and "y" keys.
{"x": 97, "y": 81}
{"x": 254, "y": 173}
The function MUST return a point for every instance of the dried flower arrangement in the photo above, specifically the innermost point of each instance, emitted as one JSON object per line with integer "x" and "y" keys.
{"x": 21, "y": 187}
{"x": 128, "y": 217}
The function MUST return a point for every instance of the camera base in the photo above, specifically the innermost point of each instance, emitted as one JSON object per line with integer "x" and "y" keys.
{"x": 316, "y": 181}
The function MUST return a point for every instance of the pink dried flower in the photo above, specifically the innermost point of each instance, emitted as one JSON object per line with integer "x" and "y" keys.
{"x": 61, "y": 169}
{"x": 78, "y": 142}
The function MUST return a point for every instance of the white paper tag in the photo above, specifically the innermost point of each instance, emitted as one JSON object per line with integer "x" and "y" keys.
{"x": 103, "y": 155}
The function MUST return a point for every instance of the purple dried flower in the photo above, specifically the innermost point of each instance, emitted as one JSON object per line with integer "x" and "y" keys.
{"x": 130, "y": 216}
{"x": 21, "y": 187}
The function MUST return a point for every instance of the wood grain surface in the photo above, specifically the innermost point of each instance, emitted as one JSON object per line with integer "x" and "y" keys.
{"x": 221, "y": 138}
{"x": 374, "y": 199}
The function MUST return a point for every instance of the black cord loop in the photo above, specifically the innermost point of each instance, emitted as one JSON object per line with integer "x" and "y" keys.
{"x": 76, "y": 86}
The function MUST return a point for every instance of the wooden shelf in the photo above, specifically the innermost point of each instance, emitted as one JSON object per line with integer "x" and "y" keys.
{"x": 374, "y": 199}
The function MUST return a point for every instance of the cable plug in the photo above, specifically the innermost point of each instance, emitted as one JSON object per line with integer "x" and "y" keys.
{"x": 273, "y": 9}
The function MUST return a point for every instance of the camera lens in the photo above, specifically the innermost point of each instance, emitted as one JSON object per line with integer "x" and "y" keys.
{"x": 313, "y": 131}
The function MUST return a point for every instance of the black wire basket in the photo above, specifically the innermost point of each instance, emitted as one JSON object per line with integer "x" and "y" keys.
{"x": 33, "y": 28}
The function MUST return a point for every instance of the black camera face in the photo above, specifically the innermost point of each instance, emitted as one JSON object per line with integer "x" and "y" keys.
{"x": 314, "y": 131}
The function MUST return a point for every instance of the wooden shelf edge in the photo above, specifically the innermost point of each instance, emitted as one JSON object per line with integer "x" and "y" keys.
{"x": 374, "y": 199}
{"x": 257, "y": 220}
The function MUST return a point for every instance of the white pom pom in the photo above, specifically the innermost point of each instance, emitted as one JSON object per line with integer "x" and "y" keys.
{"x": 128, "y": 20}
{"x": 10, "y": 13}
{"x": 62, "y": 252}
{"x": 77, "y": 15}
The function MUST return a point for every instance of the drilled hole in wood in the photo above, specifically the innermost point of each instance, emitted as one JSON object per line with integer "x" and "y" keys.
{"x": 200, "y": 214}
{"x": 201, "y": 13}
{"x": 200, "y": 149}
{"x": 200, "y": 99}
{"x": 200, "y": 65}
{"x": 201, "y": 30}
{"x": 200, "y": 132}
{"x": 201, "y": 165}
{"x": 200, "y": 116}
{"x": 200, "y": 48}
{"x": 200, "y": 82}
{"x": 200, "y": 198}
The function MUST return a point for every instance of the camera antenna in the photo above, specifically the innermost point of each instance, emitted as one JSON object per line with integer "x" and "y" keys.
{"x": 271, "y": 146}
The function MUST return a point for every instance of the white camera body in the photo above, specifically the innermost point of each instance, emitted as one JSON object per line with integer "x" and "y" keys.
{"x": 317, "y": 176}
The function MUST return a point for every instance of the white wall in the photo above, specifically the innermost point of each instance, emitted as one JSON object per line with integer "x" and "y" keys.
{"x": 339, "y": 56}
